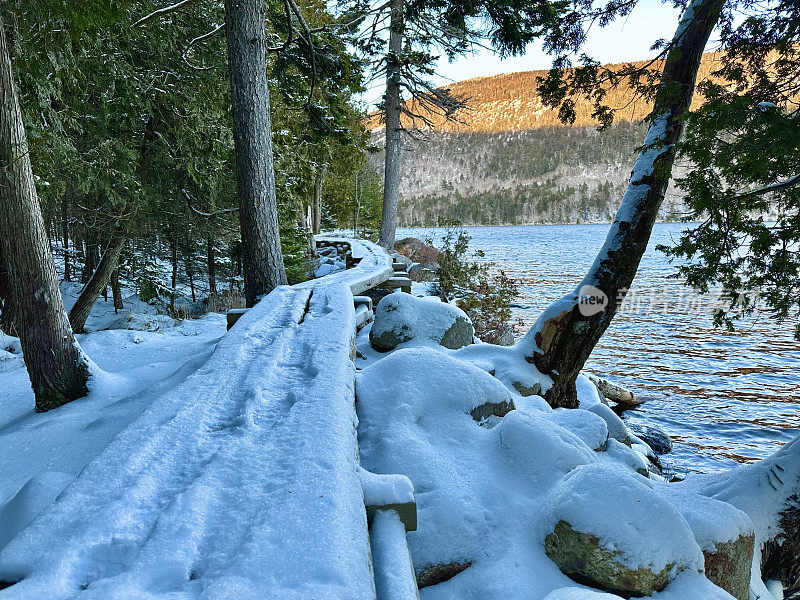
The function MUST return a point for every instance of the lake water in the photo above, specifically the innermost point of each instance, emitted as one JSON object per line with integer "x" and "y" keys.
{"x": 724, "y": 397}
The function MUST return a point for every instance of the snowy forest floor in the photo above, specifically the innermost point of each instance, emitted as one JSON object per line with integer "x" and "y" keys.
{"x": 141, "y": 354}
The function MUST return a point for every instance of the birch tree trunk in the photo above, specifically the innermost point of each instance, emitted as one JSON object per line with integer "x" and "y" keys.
{"x": 567, "y": 331}
{"x": 393, "y": 147}
{"x": 57, "y": 367}
{"x": 255, "y": 178}
{"x": 97, "y": 283}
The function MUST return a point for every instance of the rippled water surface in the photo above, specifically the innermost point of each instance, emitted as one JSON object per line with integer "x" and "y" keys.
{"x": 725, "y": 397}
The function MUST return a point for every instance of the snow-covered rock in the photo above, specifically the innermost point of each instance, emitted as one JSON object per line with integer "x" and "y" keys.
{"x": 400, "y": 318}
{"x": 535, "y": 445}
{"x": 576, "y": 593}
{"x": 591, "y": 428}
{"x": 655, "y": 437}
{"x": 616, "y": 428}
{"x": 604, "y": 526}
{"x": 628, "y": 457}
{"x": 725, "y": 535}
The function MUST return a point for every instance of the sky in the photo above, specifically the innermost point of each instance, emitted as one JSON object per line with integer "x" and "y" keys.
{"x": 624, "y": 40}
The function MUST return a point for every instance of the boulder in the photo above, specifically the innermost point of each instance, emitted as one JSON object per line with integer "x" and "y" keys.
{"x": 616, "y": 428}
{"x": 528, "y": 390}
{"x": 402, "y": 258}
{"x": 436, "y": 574}
{"x": 728, "y": 565}
{"x": 655, "y": 437}
{"x": 507, "y": 338}
{"x": 417, "y": 250}
{"x": 591, "y": 428}
{"x": 627, "y": 456}
{"x": 581, "y": 556}
{"x": 576, "y": 593}
{"x": 610, "y": 529}
{"x": 400, "y": 318}
{"x": 724, "y": 533}
{"x": 422, "y": 272}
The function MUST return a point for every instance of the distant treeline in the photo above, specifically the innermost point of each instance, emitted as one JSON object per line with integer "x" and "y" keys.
{"x": 547, "y": 175}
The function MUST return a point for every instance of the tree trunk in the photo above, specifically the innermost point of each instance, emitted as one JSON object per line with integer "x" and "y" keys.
{"x": 116, "y": 291}
{"x": 255, "y": 178}
{"x": 391, "y": 179}
{"x": 8, "y": 315}
{"x": 97, "y": 283}
{"x": 174, "y": 248}
{"x": 57, "y": 367}
{"x": 212, "y": 268}
{"x": 65, "y": 237}
{"x": 319, "y": 179}
{"x": 190, "y": 274}
{"x": 89, "y": 261}
{"x": 567, "y": 332}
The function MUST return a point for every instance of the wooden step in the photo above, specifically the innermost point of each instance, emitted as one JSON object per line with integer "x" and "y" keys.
{"x": 401, "y": 283}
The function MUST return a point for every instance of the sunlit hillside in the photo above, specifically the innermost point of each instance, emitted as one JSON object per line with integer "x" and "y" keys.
{"x": 510, "y": 102}
{"x": 507, "y": 159}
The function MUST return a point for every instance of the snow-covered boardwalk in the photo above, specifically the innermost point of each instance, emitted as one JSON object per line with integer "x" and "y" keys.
{"x": 242, "y": 482}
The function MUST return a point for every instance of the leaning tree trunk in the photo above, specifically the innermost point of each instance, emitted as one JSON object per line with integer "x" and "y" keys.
{"x": 97, "y": 282}
{"x": 57, "y": 367}
{"x": 391, "y": 177}
{"x": 255, "y": 178}
{"x": 566, "y": 332}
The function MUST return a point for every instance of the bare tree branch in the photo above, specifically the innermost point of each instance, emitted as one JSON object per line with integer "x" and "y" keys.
{"x": 781, "y": 185}
{"x": 163, "y": 11}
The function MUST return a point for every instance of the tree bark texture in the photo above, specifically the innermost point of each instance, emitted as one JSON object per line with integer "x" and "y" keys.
{"x": 319, "y": 179}
{"x": 65, "y": 237}
{"x": 116, "y": 291}
{"x": 393, "y": 147}
{"x": 97, "y": 283}
{"x": 255, "y": 178}
{"x": 57, "y": 367}
{"x": 212, "y": 267}
{"x": 567, "y": 332}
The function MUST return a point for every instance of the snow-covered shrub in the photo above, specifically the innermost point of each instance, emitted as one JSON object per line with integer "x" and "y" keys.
{"x": 485, "y": 297}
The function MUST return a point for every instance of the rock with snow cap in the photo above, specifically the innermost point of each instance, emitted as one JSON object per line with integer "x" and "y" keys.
{"x": 614, "y": 531}
{"x": 400, "y": 318}
{"x": 616, "y": 428}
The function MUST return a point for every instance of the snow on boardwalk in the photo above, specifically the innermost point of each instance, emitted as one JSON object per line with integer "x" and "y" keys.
{"x": 239, "y": 483}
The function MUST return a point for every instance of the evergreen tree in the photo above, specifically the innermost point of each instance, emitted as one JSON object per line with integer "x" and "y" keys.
{"x": 403, "y": 39}
{"x": 57, "y": 367}
{"x": 744, "y": 187}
